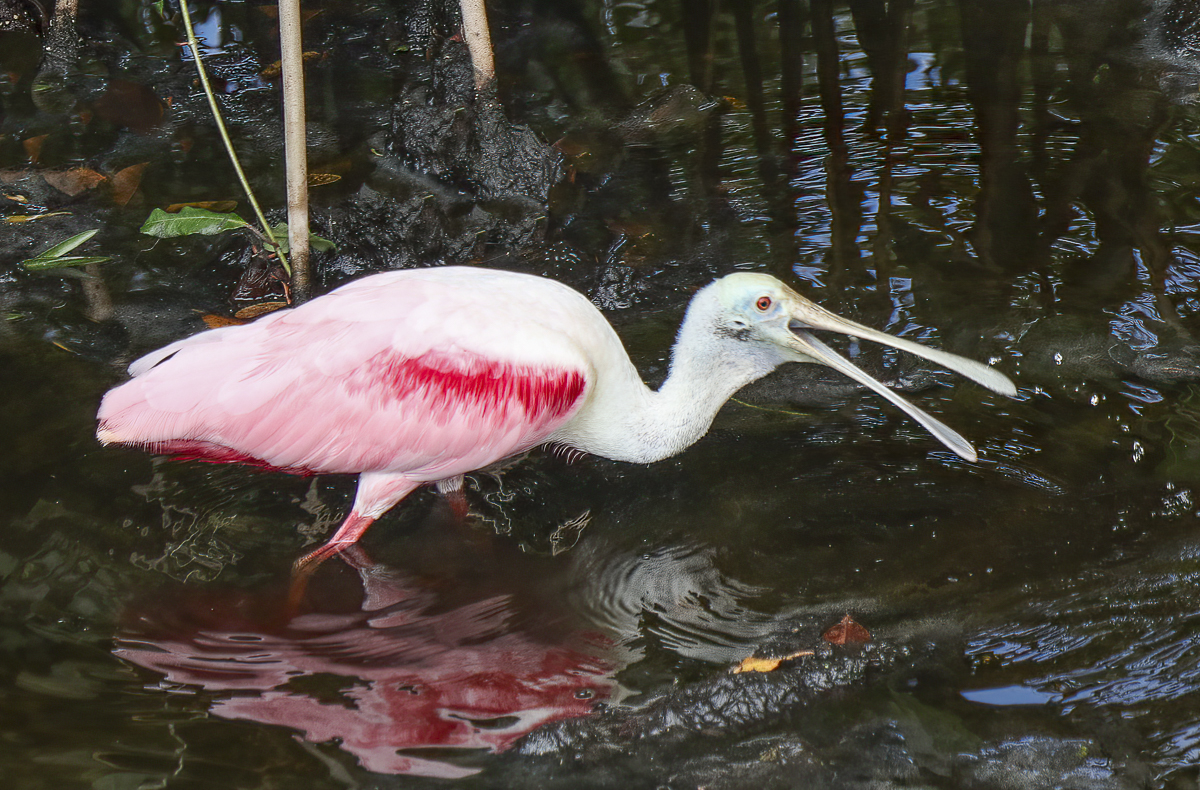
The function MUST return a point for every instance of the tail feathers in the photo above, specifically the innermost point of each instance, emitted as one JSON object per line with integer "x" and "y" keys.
{"x": 127, "y": 416}
{"x": 107, "y": 435}
{"x": 145, "y": 428}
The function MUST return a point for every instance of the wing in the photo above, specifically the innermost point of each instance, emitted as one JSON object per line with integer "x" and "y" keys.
{"x": 428, "y": 372}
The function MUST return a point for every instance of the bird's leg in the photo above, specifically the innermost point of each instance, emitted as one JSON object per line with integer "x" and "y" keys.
{"x": 347, "y": 535}
{"x": 351, "y": 530}
{"x": 377, "y": 493}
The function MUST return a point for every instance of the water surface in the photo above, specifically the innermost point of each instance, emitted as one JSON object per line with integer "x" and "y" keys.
{"x": 1017, "y": 187}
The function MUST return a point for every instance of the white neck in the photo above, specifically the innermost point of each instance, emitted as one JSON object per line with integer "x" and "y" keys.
{"x": 627, "y": 421}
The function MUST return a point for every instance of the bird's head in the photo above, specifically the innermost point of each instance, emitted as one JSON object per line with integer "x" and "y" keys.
{"x": 773, "y": 324}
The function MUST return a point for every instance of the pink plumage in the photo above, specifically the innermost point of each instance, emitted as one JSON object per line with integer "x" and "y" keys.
{"x": 404, "y": 377}
{"x": 423, "y": 375}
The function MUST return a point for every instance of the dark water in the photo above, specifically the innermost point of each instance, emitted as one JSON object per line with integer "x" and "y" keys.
{"x": 1015, "y": 185}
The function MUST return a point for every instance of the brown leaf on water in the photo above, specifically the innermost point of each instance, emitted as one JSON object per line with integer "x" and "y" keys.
{"x": 216, "y": 206}
{"x": 321, "y": 179}
{"x": 125, "y": 183}
{"x": 255, "y": 310}
{"x": 755, "y": 664}
{"x": 75, "y": 181}
{"x": 213, "y": 321}
{"x": 33, "y": 147}
{"x": 847, "y": 632}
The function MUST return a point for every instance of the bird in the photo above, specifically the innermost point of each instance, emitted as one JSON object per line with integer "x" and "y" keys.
{"x": 419, "y": 376}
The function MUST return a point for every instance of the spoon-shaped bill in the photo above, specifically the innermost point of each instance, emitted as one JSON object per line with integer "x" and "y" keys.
{"x": 942, "y": 432}
{"x": 808, "y": 315}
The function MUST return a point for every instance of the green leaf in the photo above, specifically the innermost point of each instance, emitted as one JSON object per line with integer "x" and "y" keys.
{"x": 56, "y": 257}
{"x": 321, "y": 244}
{"x": 316, "y": 242}
{"x": 280, "y": 231}
{"x": 190, "y": 221}
{"x": 42, "y": 264}
{"x": 63, "y": 247}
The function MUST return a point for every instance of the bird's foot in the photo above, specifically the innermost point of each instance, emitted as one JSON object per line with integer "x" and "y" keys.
{"x": 306, "y": 566}
{"x": 347, "y": 535}
{"x": 311, "y": 561}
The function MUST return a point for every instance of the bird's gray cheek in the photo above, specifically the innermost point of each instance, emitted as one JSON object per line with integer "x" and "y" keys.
{"x": 732, "y": 331}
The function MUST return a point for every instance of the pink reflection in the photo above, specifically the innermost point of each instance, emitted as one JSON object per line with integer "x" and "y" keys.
{"x": 400, "y": 673}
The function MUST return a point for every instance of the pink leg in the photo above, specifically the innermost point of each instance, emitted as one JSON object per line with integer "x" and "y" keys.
{"x": 377, "y": 493}
{"x": 452, "y": 489}
{"x": 351, "y": 530}
{"x": 458, "y": 504}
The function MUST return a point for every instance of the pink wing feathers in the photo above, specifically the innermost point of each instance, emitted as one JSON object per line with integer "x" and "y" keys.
{"x": 424, "y": 373}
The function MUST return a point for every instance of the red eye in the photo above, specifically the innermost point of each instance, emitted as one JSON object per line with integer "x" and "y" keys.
{"x": 763, "y": 303}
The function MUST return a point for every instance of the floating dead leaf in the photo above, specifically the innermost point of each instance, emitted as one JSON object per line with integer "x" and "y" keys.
{"x": 847, "y": 632}
{"x": 33, "y": 147}
{"x": 215, "y": 206}
{"x": 276, "y": 69}
{"x": 75, "y": 181}
{"x": 755, "y": 664}
{"x": 255, "y": 310}
{"x": 13, "y": 219}
{"x": 321, "y": 179}
{"x": 752, "y": 664}
{"x": 125, "y": 182}
{"x": 16, "y": 198}
{"x": 213, "y": 321}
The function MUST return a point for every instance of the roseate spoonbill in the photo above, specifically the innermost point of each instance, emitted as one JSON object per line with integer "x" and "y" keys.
{"x": 419, "y": 376}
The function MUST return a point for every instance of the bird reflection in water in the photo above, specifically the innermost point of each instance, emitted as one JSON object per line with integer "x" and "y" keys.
{"x": 402, "y": 671}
